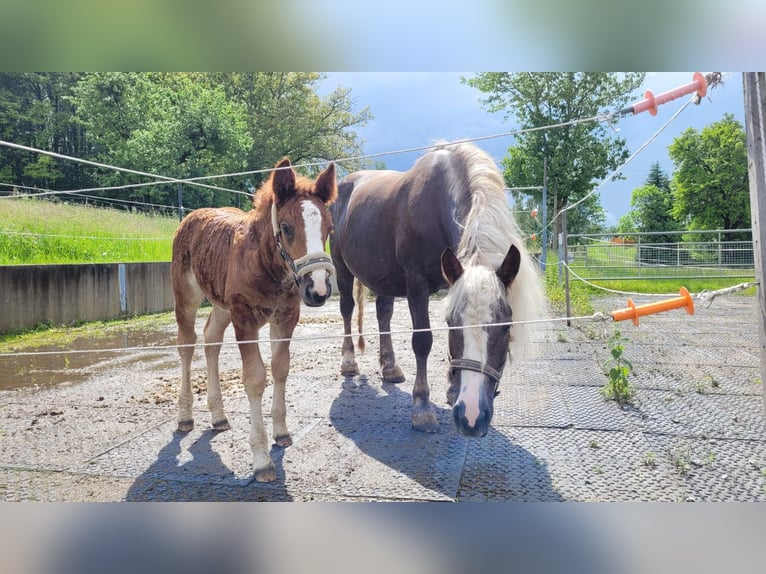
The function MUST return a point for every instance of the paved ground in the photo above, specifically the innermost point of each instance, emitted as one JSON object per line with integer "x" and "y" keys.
{"x": 105, "y": 429}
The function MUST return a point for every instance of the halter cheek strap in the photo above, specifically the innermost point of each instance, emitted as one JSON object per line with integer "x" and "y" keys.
{"x": 303, "y": 265}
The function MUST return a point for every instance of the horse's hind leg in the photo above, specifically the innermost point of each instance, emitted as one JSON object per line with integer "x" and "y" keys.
{"x": 186, "y": 314}
{"x": 216, "y": 324}
{"x": 384, "y": 307}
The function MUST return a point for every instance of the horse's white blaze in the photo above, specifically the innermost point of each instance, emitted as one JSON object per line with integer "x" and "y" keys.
{"x": 312, "y": 219}
{"x": 477, "y": 284}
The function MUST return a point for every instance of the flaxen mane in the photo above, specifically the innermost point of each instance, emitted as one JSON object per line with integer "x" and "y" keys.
{"x": 488, "y": 231}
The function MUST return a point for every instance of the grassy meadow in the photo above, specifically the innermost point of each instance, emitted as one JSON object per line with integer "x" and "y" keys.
{"x": 34, "y": 231}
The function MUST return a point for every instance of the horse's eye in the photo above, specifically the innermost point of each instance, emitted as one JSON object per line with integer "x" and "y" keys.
{"x": 287, "y": 230}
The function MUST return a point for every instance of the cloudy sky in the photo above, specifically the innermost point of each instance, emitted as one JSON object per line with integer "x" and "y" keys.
{"x": 413, "y": 109}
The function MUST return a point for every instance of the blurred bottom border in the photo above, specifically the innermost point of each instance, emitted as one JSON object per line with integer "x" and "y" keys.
{"x": 234, "y": 538}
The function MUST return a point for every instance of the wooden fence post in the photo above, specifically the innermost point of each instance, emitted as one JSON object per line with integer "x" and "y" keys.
{"x": 755, "y": 123}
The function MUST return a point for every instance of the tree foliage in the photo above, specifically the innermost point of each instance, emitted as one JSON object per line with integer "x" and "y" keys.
{"x": 710, "y": 183}
{"x": 181, "y": 125}
{"x": 578, "y": 154}
{"x": 651, "y": 208}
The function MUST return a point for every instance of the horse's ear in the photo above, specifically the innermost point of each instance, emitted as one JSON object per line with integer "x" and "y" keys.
{"x": 509, "y": 268}
{"x": 451, "y": 267}
{"x": 283, "y": 181}
{"x": 326, "y": 188}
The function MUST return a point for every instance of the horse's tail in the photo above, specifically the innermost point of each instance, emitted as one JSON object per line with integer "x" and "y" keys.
{"x": 359, "y": 297}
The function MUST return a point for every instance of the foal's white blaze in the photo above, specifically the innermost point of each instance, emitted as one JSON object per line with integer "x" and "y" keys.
{"x": 480, "y": 289}
{"x": 312, "y": 219}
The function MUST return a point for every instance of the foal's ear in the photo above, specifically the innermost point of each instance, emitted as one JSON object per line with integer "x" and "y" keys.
{"x": 510, "y": 266}
{"x": 326, "y": 188}
{"x": 283, "y": 181}
{"x": 451, "y": 267}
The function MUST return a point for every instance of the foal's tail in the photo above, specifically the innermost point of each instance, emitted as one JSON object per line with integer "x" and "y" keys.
{"x": 359, "y": 297}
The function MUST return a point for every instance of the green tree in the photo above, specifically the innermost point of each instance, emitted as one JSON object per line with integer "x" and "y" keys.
{"x": 578, "y": 154}
{"x": 710, "y": 182}
{"x": 286, "y": 117}
{"x": 651, "y": 207}
{"x": 169, "y": 124}
{"x": 35, "y": 111}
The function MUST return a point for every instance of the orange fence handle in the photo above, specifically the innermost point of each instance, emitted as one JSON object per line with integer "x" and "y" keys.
{"x": 650, "y": 101}
{"x": 633, "y": 312}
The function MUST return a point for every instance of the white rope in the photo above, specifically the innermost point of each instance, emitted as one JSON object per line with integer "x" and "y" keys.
{"x": 195, "y": 180}
{"x": 29, "y": 234}
{"x": 615, "y": 290}
{"x": 621, "y": 167}
{"x": 164, "y": 348}
{"x": 104, "y": 166}
{"x": 707, "y": 296}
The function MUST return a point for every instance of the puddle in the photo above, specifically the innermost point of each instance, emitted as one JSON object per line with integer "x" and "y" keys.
{"x": 50, "y": 370}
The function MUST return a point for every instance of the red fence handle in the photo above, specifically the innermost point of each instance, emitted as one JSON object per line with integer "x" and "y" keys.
{"x": 650, "y": 101}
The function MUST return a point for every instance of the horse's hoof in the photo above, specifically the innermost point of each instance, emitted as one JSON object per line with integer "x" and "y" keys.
{"x": 268, "y": 474}
{"x": 425, "y": 421}
{"x": 283, "y": 441}
{"x": 185, "y": 426}
{"x": 393, "y": 375}
{"x": 221, "y": 425}
{"x": 451, "y": 397}
{"x": 349, "y": 369}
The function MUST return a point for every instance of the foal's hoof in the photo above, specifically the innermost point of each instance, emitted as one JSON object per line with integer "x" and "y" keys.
{"x": 185, "y": 426}
{"x": 221, "y": 425}
{"x": 268, "y": 474}
{"x": 393, "y": 375}
{"x": 283, "y": 441}
{"x": 425, "y": 421}
{"x": 349, "y": 368}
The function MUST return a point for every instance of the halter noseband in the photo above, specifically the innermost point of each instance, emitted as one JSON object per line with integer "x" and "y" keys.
{"x": 477, "y": 367}
{"x": 303, "y": 265}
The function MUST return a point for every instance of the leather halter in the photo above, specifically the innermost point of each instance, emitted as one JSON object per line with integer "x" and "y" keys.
{"x": 477, "y": 367}
{"x": 303, "y": 265}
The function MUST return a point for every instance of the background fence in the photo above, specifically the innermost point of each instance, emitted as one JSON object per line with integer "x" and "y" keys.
{"x": 662, "y": 255}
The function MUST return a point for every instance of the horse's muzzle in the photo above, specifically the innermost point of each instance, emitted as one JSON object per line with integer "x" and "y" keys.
{"x": 481, "y": 425}
{"x": 311, "y": 296}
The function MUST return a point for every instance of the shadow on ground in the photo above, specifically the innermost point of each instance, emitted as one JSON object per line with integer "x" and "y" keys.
{"x": 379, "y": 425}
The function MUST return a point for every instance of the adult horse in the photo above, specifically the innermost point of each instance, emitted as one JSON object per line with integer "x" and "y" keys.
{"x": 254, "y": 268}
{"x": 444, "y": 222}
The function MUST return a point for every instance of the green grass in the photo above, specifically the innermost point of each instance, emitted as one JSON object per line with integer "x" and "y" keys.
{"x": 34, "y": 231}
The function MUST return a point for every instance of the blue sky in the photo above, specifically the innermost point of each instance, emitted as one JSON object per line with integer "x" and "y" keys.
{"x": 413, "y": 109}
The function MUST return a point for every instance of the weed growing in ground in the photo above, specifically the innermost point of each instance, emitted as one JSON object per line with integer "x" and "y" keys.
{"x": 618, "y": 388}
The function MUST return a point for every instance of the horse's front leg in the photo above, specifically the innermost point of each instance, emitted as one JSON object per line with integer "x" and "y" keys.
{"x": 215, "y": 327}
{"x": 281, "y": 331}
{"x": 254, "y": 380}
{"x": 348, "y": 367}
{"x": 423, "y": 412}
{"x": 384, "y": 307}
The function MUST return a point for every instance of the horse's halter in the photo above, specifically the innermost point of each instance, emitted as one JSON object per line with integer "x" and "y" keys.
{"x": 477, "y": 367}
{"x": 303, "y": 265}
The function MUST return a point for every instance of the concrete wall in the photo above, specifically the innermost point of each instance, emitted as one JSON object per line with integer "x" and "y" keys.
{"x": 65, "y": 294}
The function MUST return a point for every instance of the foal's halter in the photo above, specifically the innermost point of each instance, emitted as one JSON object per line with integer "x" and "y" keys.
{"x": 477, "y": 367}
{"x": 303, "y": 265}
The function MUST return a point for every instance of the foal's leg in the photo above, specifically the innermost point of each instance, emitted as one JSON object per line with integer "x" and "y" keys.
{"x": 254, "y": 380}
{"x": 384, "y": 307}
{"x": 186, "y": 313}
{"x": 423, "y": 413}
{"x": 280, "y": 367}
{"x": 217, "y": 322}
